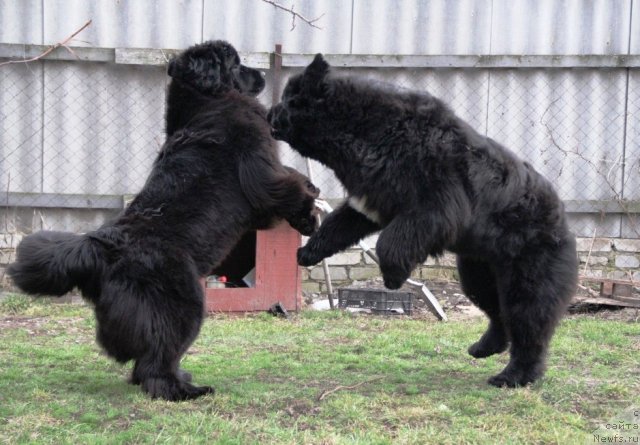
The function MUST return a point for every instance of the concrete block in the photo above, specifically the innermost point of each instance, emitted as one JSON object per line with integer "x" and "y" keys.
{"x": 618, "y": 275}
{"x": 627, "y": 245}
{"x": 364, "y": 272}
{"x": 310, "y": 286}
{"x": 430, "y": 273}
{"x": 348, "y": 258}
{"x": 337, "y": 273}
{"x": 599, "y": 245}
{"x": 448, "y": 260}
{"x": 627, "y": 261}
{"x": 594, "y": 273}
{"x": 594, "y": 260}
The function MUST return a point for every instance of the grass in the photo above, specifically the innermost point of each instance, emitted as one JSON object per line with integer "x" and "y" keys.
{"x": 320, "y": 378}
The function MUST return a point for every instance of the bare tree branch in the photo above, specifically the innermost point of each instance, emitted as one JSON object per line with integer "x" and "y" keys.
{"x": 62, "y": 44}
{"x": 294, "y": 15}
{"x": 599, "y": 164}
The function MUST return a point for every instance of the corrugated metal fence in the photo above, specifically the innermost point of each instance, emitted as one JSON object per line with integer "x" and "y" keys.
{"x": 555, "y": 81}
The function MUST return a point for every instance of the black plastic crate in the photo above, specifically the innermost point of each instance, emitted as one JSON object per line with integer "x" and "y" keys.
{"x": 378, "y": 300}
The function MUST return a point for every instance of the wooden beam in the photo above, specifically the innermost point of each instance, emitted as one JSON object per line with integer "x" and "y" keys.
{"x": 467, "y": 61}
{"x": 146, "y": 56}
{"x": 157, "y": 56}
{"x": 19, "y": 52}
{"x": 602, "y": 206}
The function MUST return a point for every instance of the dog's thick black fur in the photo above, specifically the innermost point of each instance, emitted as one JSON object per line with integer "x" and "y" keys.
{"x": 217, "y": 176}
{"x": 431, "y": 183}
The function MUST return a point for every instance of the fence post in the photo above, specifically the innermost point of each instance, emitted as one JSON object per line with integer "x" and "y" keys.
{"x": 276, "y": 73}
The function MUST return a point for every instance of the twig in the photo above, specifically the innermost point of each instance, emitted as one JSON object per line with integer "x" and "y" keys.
{"x": 588, "y": 290}
{"x": 341, "y": 387}
{"x": 294, "y": 15}
{"x": 52, "y": 47}
{"x": 586, "y": 264}
{"x": 619, "y": 162}
{"x": 6, "y": 213}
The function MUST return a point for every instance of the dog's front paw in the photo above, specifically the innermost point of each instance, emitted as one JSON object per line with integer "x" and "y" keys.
{"x": 392, "y": 282}
{"x": 306, "y": 257}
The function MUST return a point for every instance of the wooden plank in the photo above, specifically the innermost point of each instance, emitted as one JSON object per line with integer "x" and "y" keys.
{"x": 599, "y": 280}
{"x": 467, "y": 61}
{"x": 262, "y": 60}
{"x": 21, "y": 52}
{"x": 602, "y": 206}
{"x": 278, "y": 277}
{"x": 628, "y": 299}
{"x": 147, "y": 56}
{"x": 144, "y": 56}
{"x": 603, "y": 301}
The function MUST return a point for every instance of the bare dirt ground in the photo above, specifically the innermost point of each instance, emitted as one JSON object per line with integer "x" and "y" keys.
{"x": 458, "y": 307}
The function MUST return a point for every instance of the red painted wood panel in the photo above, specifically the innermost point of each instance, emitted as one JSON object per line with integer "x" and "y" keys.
{"x": 277, "y": 276}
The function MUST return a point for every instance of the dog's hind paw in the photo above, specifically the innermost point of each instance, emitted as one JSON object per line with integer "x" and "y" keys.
{"x": 512, "y": 378}
{"x": 173, "y": 389}
{"x": 487, "y": 346}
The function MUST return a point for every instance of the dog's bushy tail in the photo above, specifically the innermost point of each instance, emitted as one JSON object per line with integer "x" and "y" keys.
{"x": 53, "y": 263}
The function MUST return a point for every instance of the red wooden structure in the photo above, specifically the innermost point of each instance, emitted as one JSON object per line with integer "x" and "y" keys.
{"x": 277, "y": 276}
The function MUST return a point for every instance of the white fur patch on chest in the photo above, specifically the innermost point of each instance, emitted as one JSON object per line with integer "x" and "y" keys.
{"x": 359, "y": 204}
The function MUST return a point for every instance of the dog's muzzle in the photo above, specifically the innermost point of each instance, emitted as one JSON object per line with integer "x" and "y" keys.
{"x": 278, "y": 117}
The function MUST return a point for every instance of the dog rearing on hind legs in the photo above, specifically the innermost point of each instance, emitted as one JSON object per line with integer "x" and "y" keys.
{"x": 217, "y": 176}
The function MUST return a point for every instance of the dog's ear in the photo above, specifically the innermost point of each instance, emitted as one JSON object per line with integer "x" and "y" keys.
{"x": 318, "y": 66}
{"x": 314, "y": 74}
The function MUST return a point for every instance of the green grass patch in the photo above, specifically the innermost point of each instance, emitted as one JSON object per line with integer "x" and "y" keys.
{"x": 319, "y": 378}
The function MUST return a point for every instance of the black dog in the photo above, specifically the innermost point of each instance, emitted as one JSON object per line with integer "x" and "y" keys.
{"x": 217, "y": 176}
{"x": 427, "y": 180}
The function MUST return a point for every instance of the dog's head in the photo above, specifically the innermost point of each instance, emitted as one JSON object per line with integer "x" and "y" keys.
{"x": 214, "y": 67}
{"x": 300, "y": 95}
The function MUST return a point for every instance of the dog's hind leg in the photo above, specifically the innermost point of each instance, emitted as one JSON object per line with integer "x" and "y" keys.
{"x": 160, "y": 379}
{"x": 534, "y": 294}
{"x": 178, "y": 325}
{"x": 157, "y": 314}
{"x": 478, "y": 282}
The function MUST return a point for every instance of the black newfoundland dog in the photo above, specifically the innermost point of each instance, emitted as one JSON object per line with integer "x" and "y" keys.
{"x": 431, "y": 183}
{"x": 217, "y": 176}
